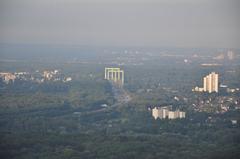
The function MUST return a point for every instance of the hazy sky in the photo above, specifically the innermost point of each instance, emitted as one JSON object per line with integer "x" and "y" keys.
{"x": 178, "y": 23}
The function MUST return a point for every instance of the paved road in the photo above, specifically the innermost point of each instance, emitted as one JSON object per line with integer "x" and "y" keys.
{"x": 121, "y": 96}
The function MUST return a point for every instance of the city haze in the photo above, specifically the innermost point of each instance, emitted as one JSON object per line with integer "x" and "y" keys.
{"x": 119, "y": 79}
{"x": 177, "y": 23}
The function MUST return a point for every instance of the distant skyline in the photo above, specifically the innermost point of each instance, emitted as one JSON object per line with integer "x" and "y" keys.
{"x": 145, "y": 23}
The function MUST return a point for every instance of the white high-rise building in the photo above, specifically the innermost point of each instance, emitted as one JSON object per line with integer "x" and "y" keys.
{"x": 210, "y": 83}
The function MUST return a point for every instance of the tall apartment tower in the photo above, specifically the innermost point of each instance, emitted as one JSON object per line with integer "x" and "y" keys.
{"x": 210, "y": 83}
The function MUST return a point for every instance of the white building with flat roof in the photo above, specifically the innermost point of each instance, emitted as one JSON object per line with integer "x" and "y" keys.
{"x": 165, "y": 113}
{"x": 155, "y": 113}
{"x": 210, "y": 83}
{"x": 171, "y": 115}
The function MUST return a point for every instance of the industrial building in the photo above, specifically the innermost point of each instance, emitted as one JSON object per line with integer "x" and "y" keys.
{"x": 115, "y": 75}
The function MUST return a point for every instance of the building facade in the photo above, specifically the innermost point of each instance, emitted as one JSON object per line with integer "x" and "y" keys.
{"x": 115, "y": 75}
{"x": 210, "y": 83}
{"x": 165, "y": 113}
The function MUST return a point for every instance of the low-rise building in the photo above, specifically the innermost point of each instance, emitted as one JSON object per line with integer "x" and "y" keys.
{"x": 7, "y": 77}
{"x": 165, "y": 113}
{"x": 171, "y": 115}
{"x": 155, "y": 113}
